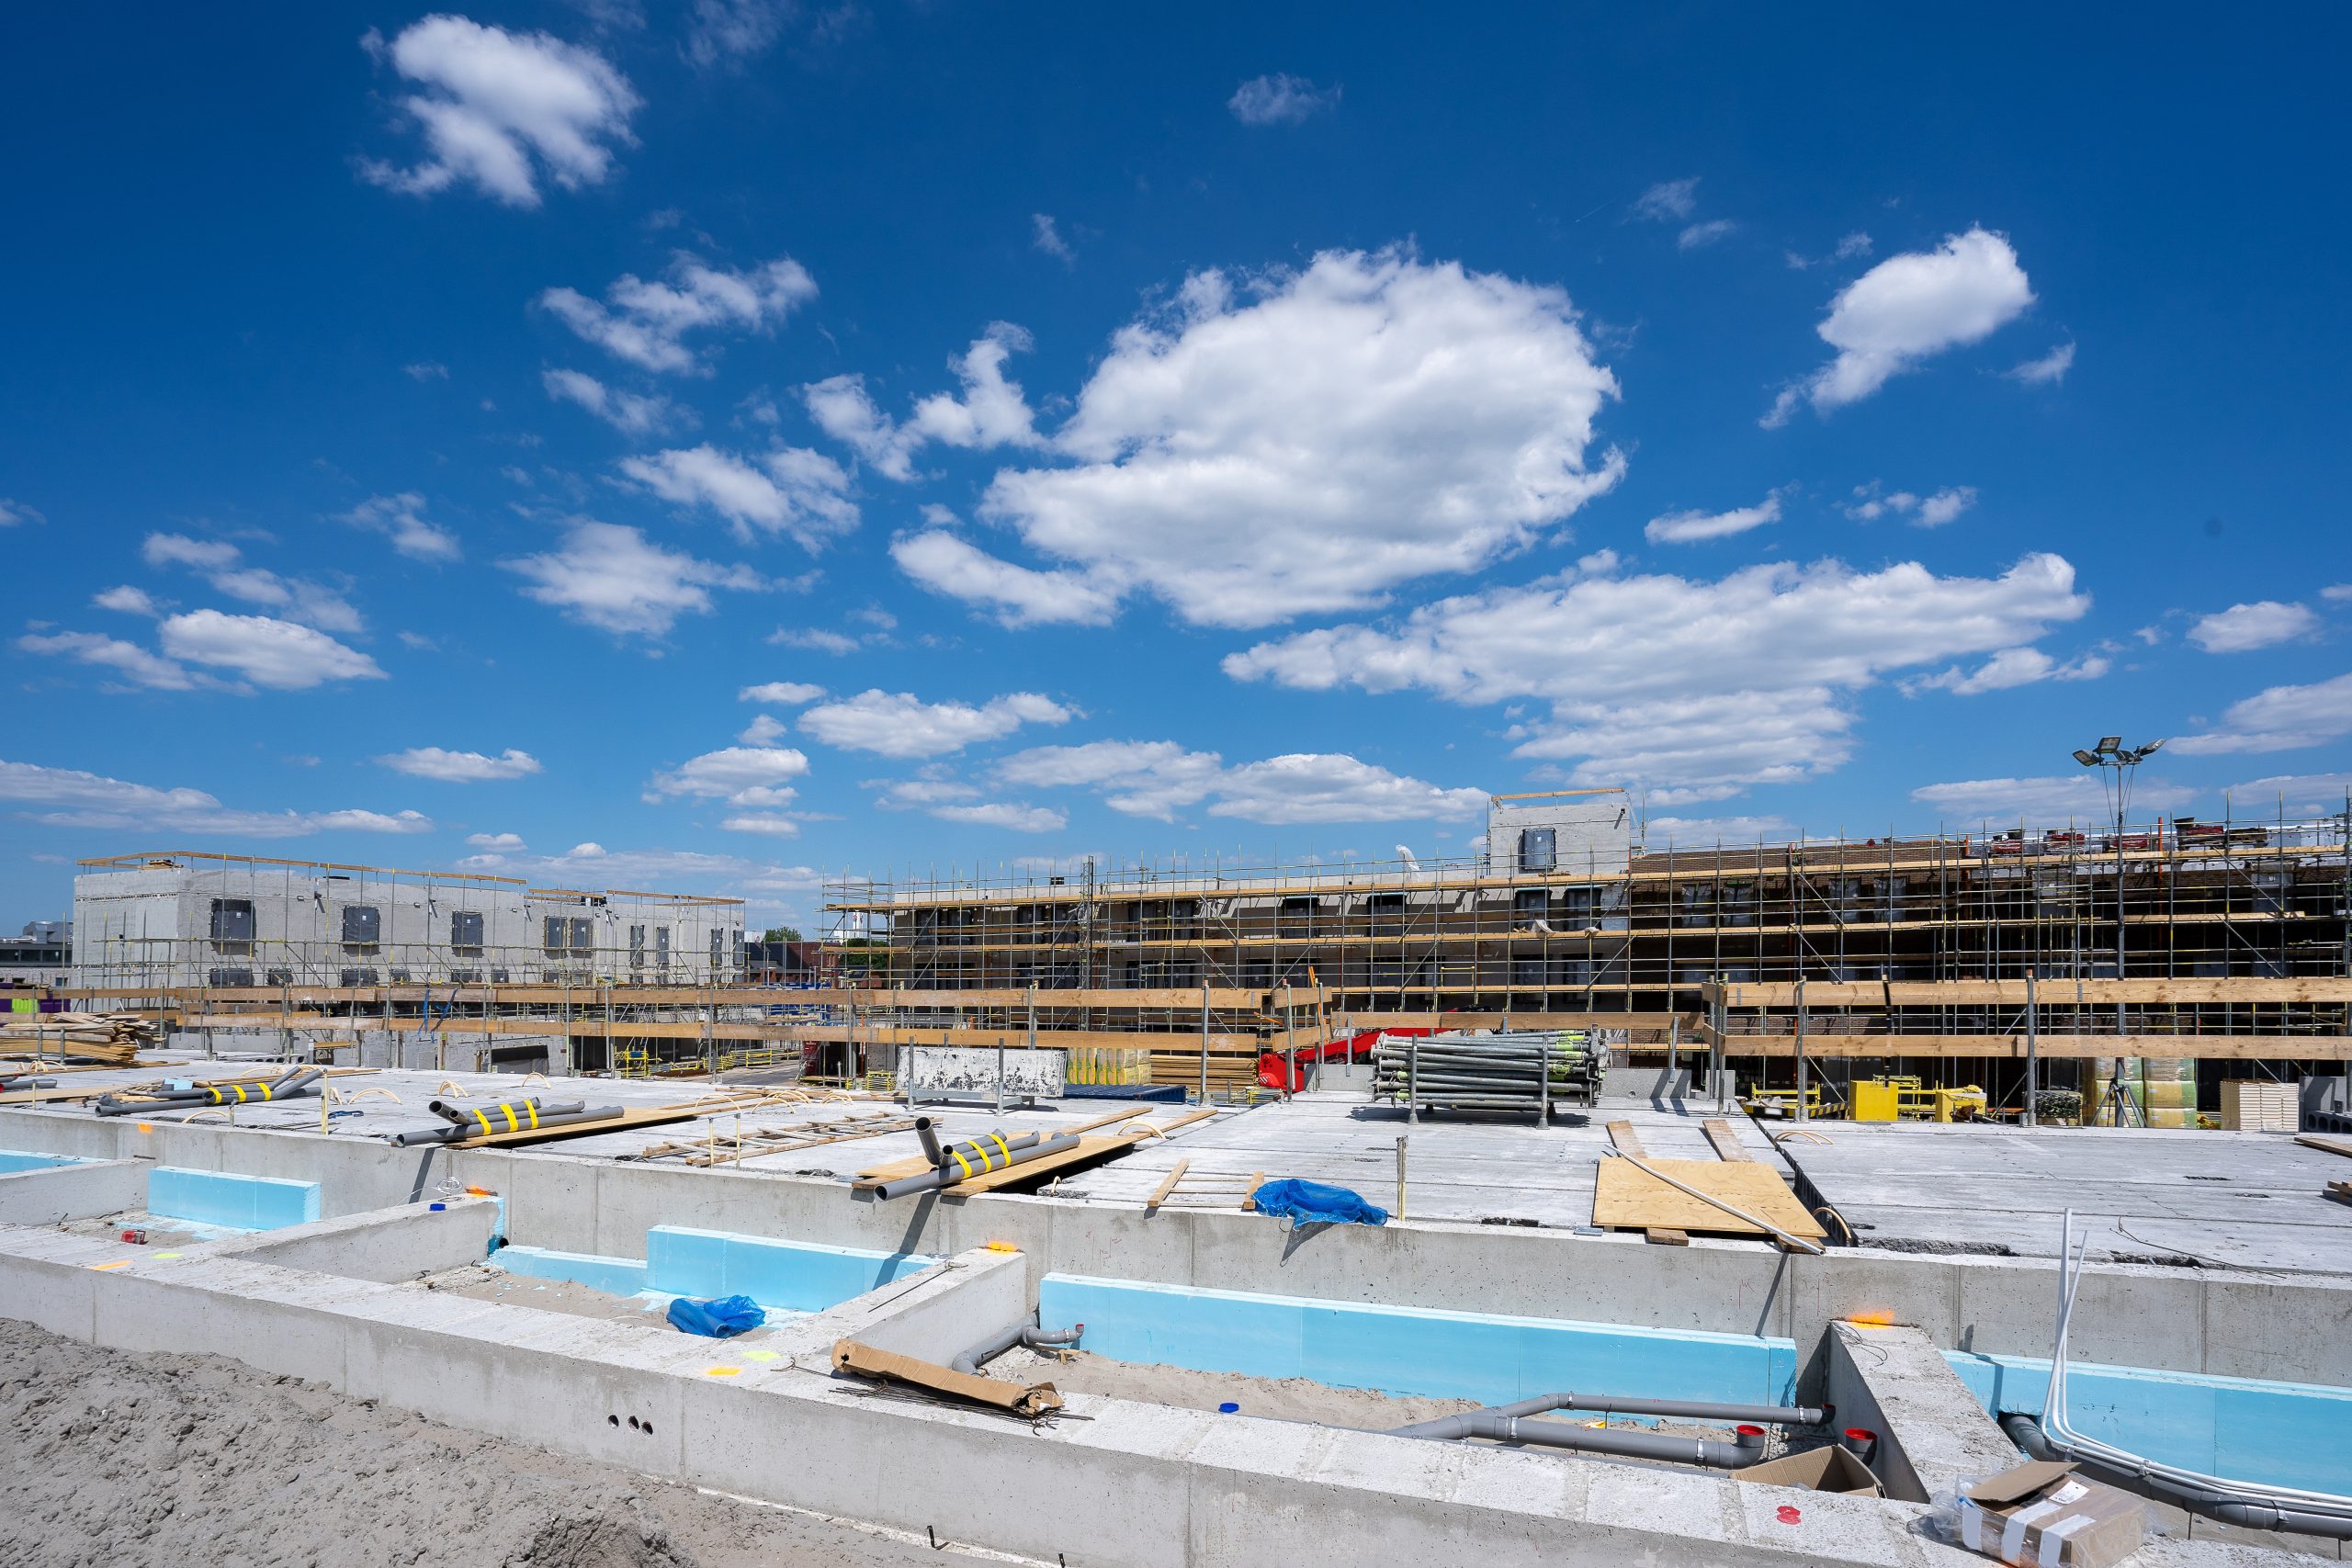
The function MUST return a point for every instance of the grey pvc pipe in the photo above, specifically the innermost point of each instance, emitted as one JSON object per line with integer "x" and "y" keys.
{"x": 1612, "y": 1404}
{"x": 547, "y": 1120}
{"x": 984, "y": 1152}
{"x": 997, "y": 1344}
{"x": 10, "y": 1086}
{"x": 932, "y": 1181}
{"x": 463, "y": 1115}
{"x": 2027, "y": 1432}
{"x": 931, "y": 1149}
{"x": 1713, "y": 1452}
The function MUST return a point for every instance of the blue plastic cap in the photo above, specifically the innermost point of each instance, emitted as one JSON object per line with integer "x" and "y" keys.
{"x": 1229, "y": 1408}
{"x": 438, "y": 1207}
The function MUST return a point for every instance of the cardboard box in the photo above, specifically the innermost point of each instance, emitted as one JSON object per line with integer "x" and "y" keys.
{"x": 2042, "y": 1515}
{"x": 1830, "y": 1469}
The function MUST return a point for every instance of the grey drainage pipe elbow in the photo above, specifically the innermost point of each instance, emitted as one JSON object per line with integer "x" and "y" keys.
{"x": 1005, "y": 1339}
{"x": 932, "y": 1181}
{"x": 929, "y": 1140}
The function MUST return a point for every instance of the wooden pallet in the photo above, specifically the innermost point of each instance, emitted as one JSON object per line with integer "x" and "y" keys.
{"x": 1625, "y": 1197}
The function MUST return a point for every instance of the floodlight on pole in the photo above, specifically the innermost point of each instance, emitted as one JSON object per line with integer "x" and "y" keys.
{"x": 2088, "y": 759}
{"x": 2111, "y": 753}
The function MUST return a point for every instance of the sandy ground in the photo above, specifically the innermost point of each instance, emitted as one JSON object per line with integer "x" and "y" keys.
{"x": 131, "y": 1460}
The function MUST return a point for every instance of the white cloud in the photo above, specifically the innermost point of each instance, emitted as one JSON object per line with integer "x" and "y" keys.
{"x": 1663, "y": 832}
{"x": 1669, "y": 201}
{"x": 400, "y": 518}
{"x": 781, "y": 693}
{"x": 1697, "y": 236}
{"x": 1365, "y": 422}
{"x": 2336, "y": 592}
{"x": 500, "y": 109}
{"x": 1017, "y": 595}
{"x": 426, "y": 370}
{"x": 1156, "y": 778}
{"x": 2048, "y": 370}
{"x": 2010, "y": 667}
{"x": 767, "y": 824}
{"x": 2078, "y": 797}
{"x": 15, "y": 512}
{"x": 2301, "y": 792}
{"x": 646, "y": 322}
{"x": 632, "y": 413}
{"x": 762, "y": 729}
{"x": 2279, "y": 719}
{"x": 94, "y": 800}
{"x": 2244, "y": 627}
{"x": 993, "y": 410}
{"x": 725, "y": 31}
{"x": 609, "y": 576}
{"x": 1280, "y": 100}
{"x": 1048, "y": 237}
{"x": 1850, "y": 246}
{"x": 741, "y": 775}
{"x": 1870, "y": 503}
{"x": 136, "y": 663}
{"x": 1907, "y": 309}
{"x": 461, "y": 767}
{"x": 1687, "y": 527}
{"x": 279, "y": 655}
{"x": 1674, "y": 681}
{"x": 496, "y": 840}
{"x": 792, "y": 490}
{"x": 817, "y": 639}
{"x": 218, "y": 561}
{"x": 128, "y": 600}
{"x": 1005, "y": 814}
{"x": 902, "y": 724}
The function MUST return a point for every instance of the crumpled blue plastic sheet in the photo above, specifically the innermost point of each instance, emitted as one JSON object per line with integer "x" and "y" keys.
{"x": 1313, "y": 1202}
{"x": 721, "y": 1318}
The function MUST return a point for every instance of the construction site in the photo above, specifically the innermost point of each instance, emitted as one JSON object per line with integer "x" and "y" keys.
{"x": 1910, "y": 1199}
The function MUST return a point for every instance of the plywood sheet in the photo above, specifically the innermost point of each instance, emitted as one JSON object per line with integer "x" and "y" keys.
{"x": 1627, "y": 1198}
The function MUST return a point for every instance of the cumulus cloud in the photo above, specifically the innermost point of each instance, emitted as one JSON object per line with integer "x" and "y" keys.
{"x": 728, "y": 32}
{"x": 1669, "y": 201}
{"x": 817, "y": 639}
{"x": 1156, "y": 778}
{"x": 1908, "y": 309}
{"x": 1870, "y": 503}
{"x": 1017, "y": 595}
{"x": 632, "y": 413}
{"x": 741, "y": 775}
{"x": 1306, "y": 442}
{"x": 80, "y": 799}
{"x": 609, "y": 576}
{"x": 791, "y": 491}
{"x": 781, "y": 693}
{"x": 15, "y": 512}
{"x": 499, "y": 110}
{"x": 1280, "y": 100}
{"x": 2046, "y": 371}
{"x": 426, "y": 370}
{"x": 1660, "y": 833}
{"x": 1678, "y": 681}
{"x": 461, "y": 767}
{"x": 2279, "y": 719}
{"x": 278, "y": 655}
{"x": 130, "y": 600}
{"x": 898, "y": 724}
{"x": 2295, "y": 792}
{"x": 1697, "y": 236}
{"x": 953, "y": 802}
{"x": 496, "y": 840}
{"x": 2244, "y": 627}
{"x": 768, "y": 824}
{"x": 222, "y": 565}
{"x": 139, "y": 665}
{"x": 1689, "y": 527}
{"x": 400, "y": 518}
{"x": 646, "y": 322}
{"x": 762, "y": 729}
{"x": 2077, "y": 798}
{"x": 2010, "y": 667}
{"x": 992, "y": 411}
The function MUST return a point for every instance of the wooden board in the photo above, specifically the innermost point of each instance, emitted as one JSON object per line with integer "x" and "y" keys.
{"x": 1626, "y": 1198}
{"x": 635, "y": 1116}
{"x": 1622, "y": 1136}
{"x": 1727, "y": 1141}
{"x": 2328, "y": 1145}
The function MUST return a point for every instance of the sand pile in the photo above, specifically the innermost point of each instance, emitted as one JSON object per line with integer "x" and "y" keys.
{"x": 123, "y": 1461}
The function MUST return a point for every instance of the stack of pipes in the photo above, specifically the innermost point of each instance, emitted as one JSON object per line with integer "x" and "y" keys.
{"x": 507, "y": 1116}
{"x": 1524, "y": 1070}
{"x": 952, "y": 1163}
{"x": 292, "y": 1085}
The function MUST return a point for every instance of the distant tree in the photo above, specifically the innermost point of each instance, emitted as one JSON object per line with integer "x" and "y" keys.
{"x": 781, "y": 933}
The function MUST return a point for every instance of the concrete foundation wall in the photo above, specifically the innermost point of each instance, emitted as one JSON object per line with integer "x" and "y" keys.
{"x": 2213, "y": 1321}
{"x": 1932, "y": 1432}
{"x": 81, "y": 1191}
{"x": 383, "y": 1245}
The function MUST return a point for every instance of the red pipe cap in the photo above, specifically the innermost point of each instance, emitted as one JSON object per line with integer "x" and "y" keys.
{"x": 1746, "y": 1431}
{"x": 1861, "y": 1434}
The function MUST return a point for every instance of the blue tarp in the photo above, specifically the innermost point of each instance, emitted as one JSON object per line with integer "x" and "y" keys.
{"x": 719, "y": 1318}
{"x": 1312, "y": 1203}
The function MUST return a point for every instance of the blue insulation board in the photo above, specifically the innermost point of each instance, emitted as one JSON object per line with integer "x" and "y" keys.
{"x": 11, "y": 1161}
{"x": 2289, "y": 1434}
{"x": 1403, "y": 1351}
{"x": 795, "y": 1275}
{"x": 237, "y": 1202}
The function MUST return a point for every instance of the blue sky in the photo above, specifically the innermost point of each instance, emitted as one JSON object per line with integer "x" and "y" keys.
{"x": 705, "y": 446}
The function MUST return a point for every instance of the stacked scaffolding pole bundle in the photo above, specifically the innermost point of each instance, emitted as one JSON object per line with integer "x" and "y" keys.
{"x": 1524, "y": 1071}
